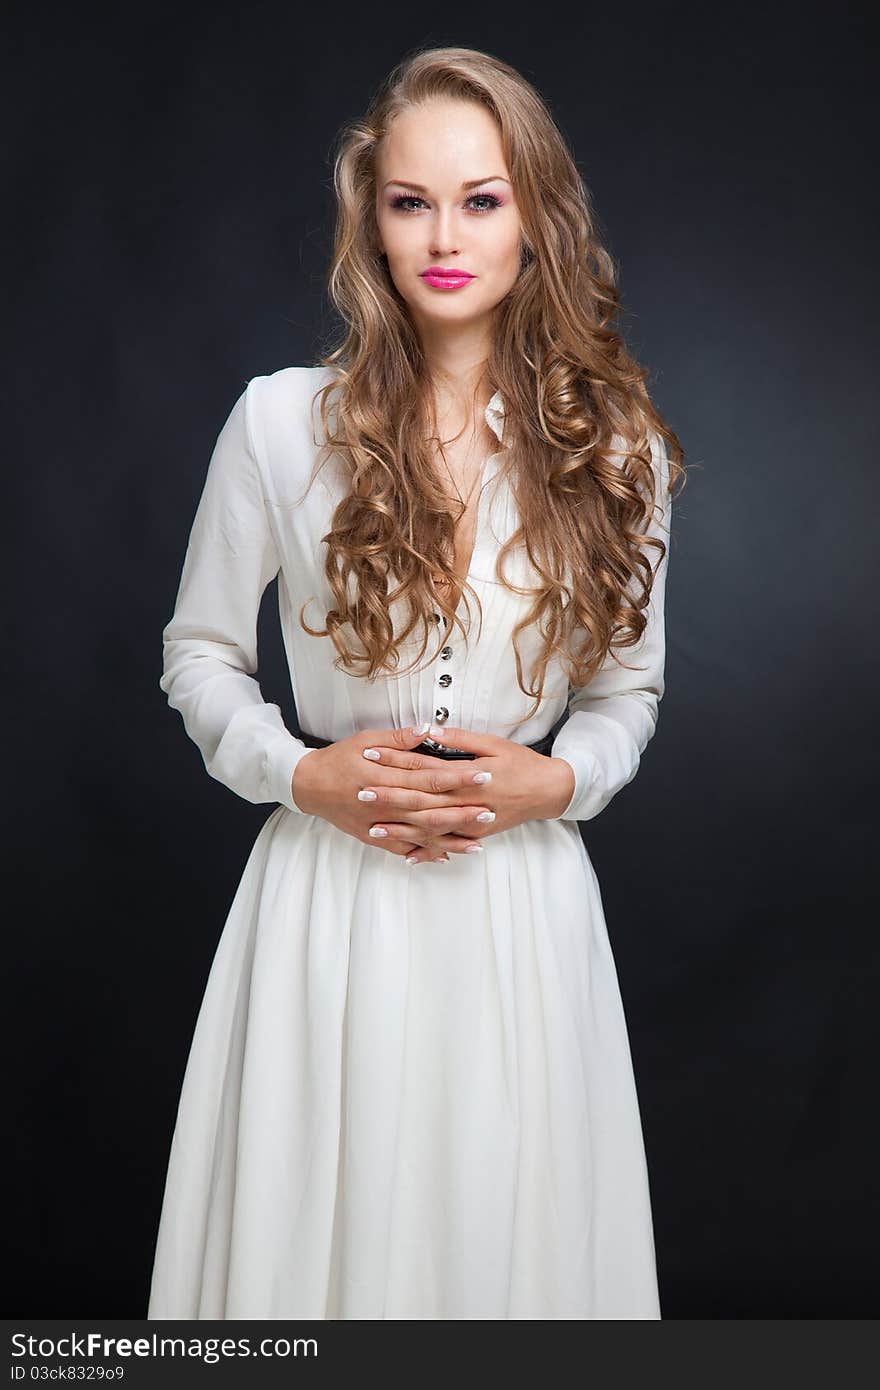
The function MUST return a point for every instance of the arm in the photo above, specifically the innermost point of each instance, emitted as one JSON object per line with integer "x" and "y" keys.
{"x": 614, "y": 716}
{"x": 210, "y": 644}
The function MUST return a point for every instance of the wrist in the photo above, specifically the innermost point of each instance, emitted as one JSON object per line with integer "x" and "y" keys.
{"x": 560, "y": 786}
{"x": 305, "y": 781}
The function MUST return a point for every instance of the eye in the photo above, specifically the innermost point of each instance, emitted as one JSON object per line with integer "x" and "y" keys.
{"x": 403, "y": 201}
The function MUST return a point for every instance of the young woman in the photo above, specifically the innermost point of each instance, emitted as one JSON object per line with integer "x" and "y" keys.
{"x": 410, "y": 1092}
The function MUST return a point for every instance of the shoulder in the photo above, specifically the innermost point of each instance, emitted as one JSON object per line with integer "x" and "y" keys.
{"x": 284, "y": 421}
{"x": 659, "y": 520}
{"x": 282, "y": 401}
{"x": 656, "y": 444}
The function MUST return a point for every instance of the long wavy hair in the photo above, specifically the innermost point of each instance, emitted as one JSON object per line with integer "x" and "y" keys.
{"x": 577, "y": 417}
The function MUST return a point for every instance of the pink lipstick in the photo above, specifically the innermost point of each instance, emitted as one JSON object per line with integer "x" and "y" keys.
{"x": 442, "y": 278}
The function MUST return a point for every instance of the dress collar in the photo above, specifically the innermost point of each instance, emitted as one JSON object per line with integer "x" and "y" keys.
{"x": 495, "y": 414}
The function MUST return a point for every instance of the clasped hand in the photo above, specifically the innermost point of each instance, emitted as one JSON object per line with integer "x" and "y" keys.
{"x": 375, "y": 787}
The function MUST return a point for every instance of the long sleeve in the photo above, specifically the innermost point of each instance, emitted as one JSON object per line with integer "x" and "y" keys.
{"x": 612, "y": 718}
{"x": 210, "y": 644}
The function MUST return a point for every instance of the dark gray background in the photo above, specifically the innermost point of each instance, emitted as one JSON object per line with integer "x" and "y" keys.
{"x": 169, "y": 211}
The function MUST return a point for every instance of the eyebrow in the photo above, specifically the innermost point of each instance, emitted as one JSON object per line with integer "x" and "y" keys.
{"x": 420, "y": 188}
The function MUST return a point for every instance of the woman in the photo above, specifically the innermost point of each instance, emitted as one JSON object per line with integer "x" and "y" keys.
{"x": 409, "y": 1092}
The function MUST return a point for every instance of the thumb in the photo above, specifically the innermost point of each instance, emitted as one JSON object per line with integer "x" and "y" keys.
{"x": 465, "y": 740}
{"x": 407, "y": 737}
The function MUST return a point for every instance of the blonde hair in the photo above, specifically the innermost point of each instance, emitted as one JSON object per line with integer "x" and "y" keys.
{"x": 575, "y": 405}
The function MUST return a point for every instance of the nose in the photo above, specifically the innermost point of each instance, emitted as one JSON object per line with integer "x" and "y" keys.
{"x": 443, "y": 242}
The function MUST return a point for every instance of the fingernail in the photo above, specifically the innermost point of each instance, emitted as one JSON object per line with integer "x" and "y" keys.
{"x": 474, "y": 849}
{"x": 419, "y": 730}
{"x": 482, "y": 777}
{"x": 433, "y": 732}
{"x": 377, "y": 831}
{"x": 486, "y": 815}
{"x": 372, "y": 753}
{"x": 442, "y": 859}
{"x": 411, "y": 859}
{"x": 366, "y": 795}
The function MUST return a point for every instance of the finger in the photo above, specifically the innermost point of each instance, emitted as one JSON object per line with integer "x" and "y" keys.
{"x": 427, "y": 856}
{"x": 397, "y": 739}
{"x": 443, "y": 775}
{"x": 420, "y": 793}
{"x": 483, "y": 745}
{"x": 393, "y": 834}
{"x": 395, "y": 846}
{"x": 412, "y": 852}
{"x": 449, "y": 772}
{"x": 401, "y": 833}
{"x": 423, "y": 826}
{"x": 429, "y": 853}
{"x": 396, "y": 804}
{"x": 444, "y": 845}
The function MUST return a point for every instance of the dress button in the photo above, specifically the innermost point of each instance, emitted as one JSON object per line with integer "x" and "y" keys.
{"x": 445, "y": 679}
{"x": 437, "y": 617}
{"x": 446, "y": 653}
{"x": 441, "y": 714}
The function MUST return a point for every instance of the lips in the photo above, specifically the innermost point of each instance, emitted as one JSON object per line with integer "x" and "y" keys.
{"x": 445, "y": 278}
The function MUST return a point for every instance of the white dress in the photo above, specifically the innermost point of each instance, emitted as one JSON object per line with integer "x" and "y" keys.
{"x": 409, "y": 1093}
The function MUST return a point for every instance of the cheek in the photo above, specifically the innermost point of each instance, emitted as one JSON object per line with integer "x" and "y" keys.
{"x": 505, "y": 239}
{"x": 507, "y": 258}
{"x": 401, "y": 240}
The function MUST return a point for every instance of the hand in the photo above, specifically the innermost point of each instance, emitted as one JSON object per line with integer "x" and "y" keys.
{"x": 327, "y": 782}
{"x": 525, "y": 785}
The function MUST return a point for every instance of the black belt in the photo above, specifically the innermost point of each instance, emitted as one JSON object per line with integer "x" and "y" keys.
{"x": 427, "y": 746}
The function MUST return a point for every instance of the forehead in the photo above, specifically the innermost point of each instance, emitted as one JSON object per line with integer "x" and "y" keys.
{"x": 445, "y": 142}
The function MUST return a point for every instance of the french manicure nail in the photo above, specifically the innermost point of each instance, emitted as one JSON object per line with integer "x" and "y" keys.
{"x": 411, "y": 859}
{"x": 486, "y": 815}
{"x": 482, "y": 777}
{"x": 419, "y": 730}
{"x": 372, "y": 753}
{"x": 474, "y": 849}
{"x": 377, "y": 831}
{"x": 366, "y": 795}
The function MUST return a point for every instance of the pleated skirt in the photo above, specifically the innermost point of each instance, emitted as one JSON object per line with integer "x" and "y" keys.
{"x": 409, "y": 1093}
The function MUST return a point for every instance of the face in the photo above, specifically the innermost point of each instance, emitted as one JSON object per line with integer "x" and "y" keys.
{"x": 428, "y": 216}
